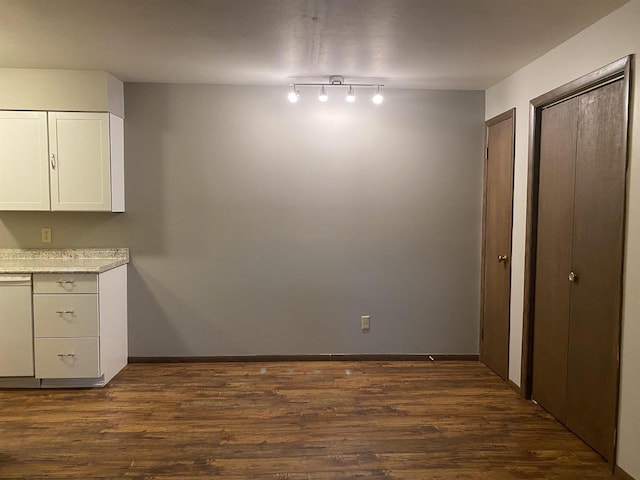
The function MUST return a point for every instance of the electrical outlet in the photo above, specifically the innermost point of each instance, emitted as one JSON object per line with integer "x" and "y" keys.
{"x": 46, "y": 234}
{"x": 365, "y": 323}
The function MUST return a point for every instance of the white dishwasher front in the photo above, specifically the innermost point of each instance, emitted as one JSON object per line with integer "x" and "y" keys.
{"x": 16, "y": 326}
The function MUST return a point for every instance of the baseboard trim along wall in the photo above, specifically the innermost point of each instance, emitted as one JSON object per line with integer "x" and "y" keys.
{"x": 620, "y": 474}
{"x": 515, "y": 387}
{"x": 307, "y": 358}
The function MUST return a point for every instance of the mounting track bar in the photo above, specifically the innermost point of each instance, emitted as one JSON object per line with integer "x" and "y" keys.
{"x": 369, "y": 85}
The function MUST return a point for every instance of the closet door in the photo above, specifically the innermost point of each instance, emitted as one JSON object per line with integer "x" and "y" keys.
{"x": 553, "y": 262}
{"x": 581, "y": 206}
{"x": 598, "y": 230}
{"x": 496, "y": 261}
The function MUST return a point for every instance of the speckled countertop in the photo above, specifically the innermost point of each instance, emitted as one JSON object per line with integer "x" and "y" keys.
{"x": 77, "y": 260}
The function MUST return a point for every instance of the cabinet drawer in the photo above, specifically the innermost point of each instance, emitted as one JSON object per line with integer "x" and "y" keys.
{"x": 67, "y": 357}
{"x": 73, "y": 315}
{"x": 65, "y": 283}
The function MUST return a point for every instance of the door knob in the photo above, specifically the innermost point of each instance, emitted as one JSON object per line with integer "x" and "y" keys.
{"x": 573, "y": 277}
{"x": 503, "y": 258}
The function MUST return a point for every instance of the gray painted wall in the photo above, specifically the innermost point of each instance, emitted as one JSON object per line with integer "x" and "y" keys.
{"x": 261, "y": 227}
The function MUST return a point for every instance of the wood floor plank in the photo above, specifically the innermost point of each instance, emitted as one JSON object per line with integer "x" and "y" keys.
{"x": 294, "y": 421}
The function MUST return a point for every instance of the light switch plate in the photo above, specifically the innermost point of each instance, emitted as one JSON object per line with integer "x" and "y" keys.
{"x": 365, "y": 323}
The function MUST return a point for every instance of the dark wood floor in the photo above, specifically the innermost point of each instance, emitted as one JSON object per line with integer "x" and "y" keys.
{"x": 306, "y": 420}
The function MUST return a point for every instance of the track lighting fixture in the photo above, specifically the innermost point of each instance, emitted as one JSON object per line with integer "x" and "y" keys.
{"x": 336, "y": 81}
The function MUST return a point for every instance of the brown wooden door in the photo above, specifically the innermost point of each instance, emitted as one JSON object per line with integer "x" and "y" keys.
{"x": 579, "y": 263}
{"x": 598, "y": 234}
{"x": 553, "y": 262}
{"x": 496, "y": 271}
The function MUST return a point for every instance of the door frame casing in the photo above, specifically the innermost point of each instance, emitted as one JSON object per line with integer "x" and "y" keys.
{"x": 509, "y": 114}
{"x": 620, "y": 69}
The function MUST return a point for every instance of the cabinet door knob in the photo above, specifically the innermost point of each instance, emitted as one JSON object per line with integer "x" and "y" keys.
{"x": 573, "y": 277}
{"x": 503, "y": 258}
{"x": 53, "y": 160}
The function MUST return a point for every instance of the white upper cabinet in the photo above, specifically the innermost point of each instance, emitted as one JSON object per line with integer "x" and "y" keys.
{"x": 24, "y": 161}
{"x": 83, "y": 162}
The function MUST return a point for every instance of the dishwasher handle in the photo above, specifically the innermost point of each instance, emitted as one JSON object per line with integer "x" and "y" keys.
{"x": 15, "y": 280}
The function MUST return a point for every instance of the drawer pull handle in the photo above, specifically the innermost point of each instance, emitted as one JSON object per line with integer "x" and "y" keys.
{"x": 66, "y": 355}
{"x": 64, "y": 312}
{"x": 65, "y": 282}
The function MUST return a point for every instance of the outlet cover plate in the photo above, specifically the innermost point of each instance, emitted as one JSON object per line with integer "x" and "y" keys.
{"x": 46, "y": 234}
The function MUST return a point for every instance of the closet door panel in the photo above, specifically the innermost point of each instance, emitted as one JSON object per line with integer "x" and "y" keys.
{"x": 552, "y": 292}
{"x": 597, "y": 261}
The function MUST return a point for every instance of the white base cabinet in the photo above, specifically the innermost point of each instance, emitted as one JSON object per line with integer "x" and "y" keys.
{"x": 80, "y": 327}
{"x": 16, "y": 333}
{"x": 61, "y": 161}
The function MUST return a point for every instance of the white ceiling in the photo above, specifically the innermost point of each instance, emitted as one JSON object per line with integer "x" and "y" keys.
{"x": 444, "y": 44}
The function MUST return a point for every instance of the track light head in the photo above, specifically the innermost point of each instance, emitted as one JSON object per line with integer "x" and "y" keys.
{"x": 378, "y": 98}
{"x": 323, "y": 97}
{"x": 294, "y": 94}
{"x": 351, "y": 95}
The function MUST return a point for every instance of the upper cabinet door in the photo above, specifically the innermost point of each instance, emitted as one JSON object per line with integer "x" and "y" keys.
{"x": 80, "y": 161}
{"x": 24, "y": 160}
